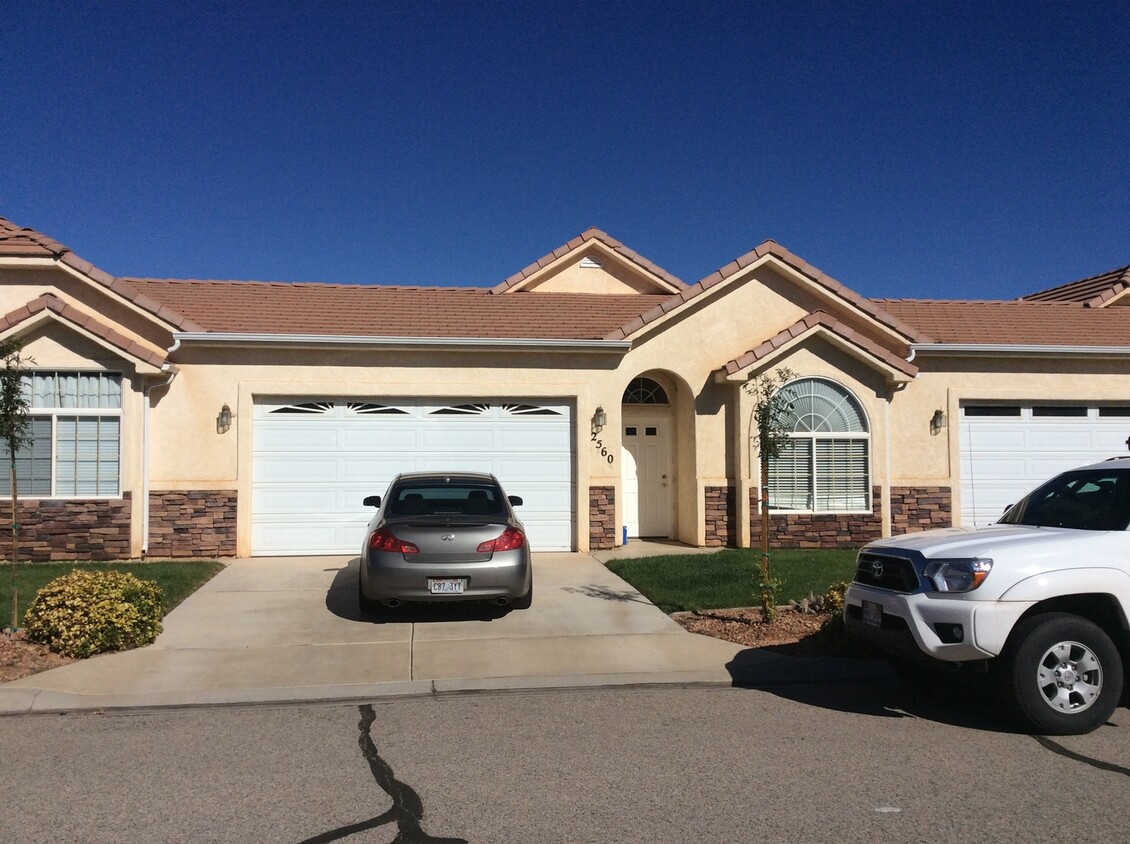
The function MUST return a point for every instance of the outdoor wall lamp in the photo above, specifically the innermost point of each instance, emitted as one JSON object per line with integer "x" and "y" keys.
{"x": 599, "y": 420}
{"x": 223, "y": 421}
{"x": 937, "y": 421}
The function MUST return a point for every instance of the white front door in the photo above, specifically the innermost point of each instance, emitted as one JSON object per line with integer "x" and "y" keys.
{"x": 646, "y": 476}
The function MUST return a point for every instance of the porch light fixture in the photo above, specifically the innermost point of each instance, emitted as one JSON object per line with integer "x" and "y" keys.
{"x": 223, "y": 421}
{"x": 937, "y": 421}
{"x": 599, "y": 420}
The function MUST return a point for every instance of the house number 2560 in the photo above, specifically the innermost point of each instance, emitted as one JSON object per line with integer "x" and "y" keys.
{"x": 602, "y": 448}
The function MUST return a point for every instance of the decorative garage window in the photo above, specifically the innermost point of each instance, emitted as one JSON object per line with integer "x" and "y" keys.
{"x": 311, "y": 407}
{"x": 462, "y": 410}
{"x": 75, "y": 421}
{"x": 644, "y": 391}
{"x": 370, "y": 409}
{"x": 530, "y": 410}
{"x": 825, "y": 466}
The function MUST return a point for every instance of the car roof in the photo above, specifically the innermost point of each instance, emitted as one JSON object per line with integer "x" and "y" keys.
{"x": 449, "y": 477}
{"x": 1110, "y": 463}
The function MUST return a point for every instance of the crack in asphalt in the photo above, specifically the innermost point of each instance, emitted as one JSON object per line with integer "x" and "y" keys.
{"x": 407, "y": 810}
{"x": 1055, "y": 747}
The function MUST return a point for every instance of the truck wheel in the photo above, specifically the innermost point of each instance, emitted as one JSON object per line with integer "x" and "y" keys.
{"x": 1062, "y": 673}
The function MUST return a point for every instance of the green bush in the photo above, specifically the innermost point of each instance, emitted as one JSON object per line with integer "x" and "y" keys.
{"x": 91, "y": 612}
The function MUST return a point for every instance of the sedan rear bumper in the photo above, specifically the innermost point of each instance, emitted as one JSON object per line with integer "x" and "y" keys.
{"x": 391, "y": 577}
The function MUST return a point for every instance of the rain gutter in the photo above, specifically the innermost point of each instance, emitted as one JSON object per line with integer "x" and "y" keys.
{"x": 1017, "y": 349}
{"x": 324, "y": 340}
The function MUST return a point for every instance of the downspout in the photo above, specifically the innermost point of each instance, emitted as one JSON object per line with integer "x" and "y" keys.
{"x": 145, "y": 446}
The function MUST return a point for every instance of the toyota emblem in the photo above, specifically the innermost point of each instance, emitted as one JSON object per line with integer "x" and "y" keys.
{"x": 877, "y": 569}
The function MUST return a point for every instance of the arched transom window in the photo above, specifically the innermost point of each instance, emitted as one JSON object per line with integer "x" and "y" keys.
{"x": 644, "y": 391}
{"x": 825, "y": 466}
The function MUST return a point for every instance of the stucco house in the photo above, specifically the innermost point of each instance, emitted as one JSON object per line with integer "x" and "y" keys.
{"x": 181, "y": 417}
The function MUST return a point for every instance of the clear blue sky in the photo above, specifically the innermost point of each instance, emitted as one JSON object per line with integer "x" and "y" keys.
{"x": 944, "y": 149}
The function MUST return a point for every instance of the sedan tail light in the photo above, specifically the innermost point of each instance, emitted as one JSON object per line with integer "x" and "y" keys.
{"x": 511, "y": 539}
{"x": 383, "y": 541}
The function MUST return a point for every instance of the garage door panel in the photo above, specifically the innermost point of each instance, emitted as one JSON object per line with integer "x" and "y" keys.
{"x": 297, "y": 469}
{"x": 311, "y": 471}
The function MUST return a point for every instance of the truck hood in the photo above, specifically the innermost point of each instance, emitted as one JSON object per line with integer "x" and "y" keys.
{"x": 984, "y": 542}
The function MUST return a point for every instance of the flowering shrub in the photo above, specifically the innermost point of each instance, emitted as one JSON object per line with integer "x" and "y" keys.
{"x": 90, "y": 612}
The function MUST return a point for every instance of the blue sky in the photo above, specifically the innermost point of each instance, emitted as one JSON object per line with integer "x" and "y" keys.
{"x": 947, "y": 149}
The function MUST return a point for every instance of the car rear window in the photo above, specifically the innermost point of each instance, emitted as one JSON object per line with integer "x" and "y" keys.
{"x": 1085, "y": 500}
{"x": 446, "y": 499}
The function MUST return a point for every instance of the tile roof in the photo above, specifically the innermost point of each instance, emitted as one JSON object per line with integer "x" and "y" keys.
{"x": 773, "y": 248}
{"x": 255, "y": 307}
{"x": 580, "y": 240}
{"x": 1093, "y": 292}
{"x": 1013, "y": 322}
{"x": 16, "y": 241}
{"x": 811, "y": 322}
{"x": 50, "y": 302}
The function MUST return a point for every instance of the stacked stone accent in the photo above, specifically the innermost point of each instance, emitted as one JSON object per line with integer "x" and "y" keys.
{"x": 602, "y": 518}
{"x": 721, "y": 514}
{"x": 819, "y": 530}
{"x": 71, "y": 529}
{"x": 192, "y": 523}
{"x": 917, "y": 508}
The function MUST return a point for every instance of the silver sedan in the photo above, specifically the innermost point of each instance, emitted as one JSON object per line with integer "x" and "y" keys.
{"x": 445, "y": 537}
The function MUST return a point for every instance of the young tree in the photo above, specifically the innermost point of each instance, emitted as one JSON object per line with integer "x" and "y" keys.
{"x": 15, "y": 433}
{"x": 772, "y": 413}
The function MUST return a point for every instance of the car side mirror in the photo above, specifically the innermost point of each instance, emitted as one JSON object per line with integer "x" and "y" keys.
{"x": 372, "y": 501}
{"x": 515, "y": 500}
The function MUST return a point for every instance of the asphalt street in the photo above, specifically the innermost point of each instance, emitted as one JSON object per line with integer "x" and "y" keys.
{"x": 863, "y": 763}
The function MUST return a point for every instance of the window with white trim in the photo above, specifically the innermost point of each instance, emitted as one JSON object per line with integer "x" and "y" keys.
{"x": 825, "y": 465}
{"x": 75, "y": 423}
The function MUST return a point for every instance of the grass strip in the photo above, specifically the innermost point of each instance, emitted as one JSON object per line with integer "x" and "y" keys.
{"x": 682, "y": 582}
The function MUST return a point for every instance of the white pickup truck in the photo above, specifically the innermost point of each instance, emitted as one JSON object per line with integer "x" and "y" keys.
{"x": 1040, "y": 599}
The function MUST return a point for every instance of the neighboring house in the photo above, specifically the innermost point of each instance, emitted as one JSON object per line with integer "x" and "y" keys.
{"x": 178, "y": 418}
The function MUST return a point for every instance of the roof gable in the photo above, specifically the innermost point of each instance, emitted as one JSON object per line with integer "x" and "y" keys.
{"x": 800, "y": 270}
{"x": 1097, "y": 291}
{"x": 839, "y": 334}
{"x": 592, "y": 262}
{"x": 47, "y": 306}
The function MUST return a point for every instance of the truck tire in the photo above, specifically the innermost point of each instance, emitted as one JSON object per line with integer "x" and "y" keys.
{"x": 1062, "y": 674}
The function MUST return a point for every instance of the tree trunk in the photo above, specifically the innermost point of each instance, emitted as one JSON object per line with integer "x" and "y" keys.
{"x": 15, "y": 545}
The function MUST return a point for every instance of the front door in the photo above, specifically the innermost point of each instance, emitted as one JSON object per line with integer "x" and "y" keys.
{"x": 647, "y": 477}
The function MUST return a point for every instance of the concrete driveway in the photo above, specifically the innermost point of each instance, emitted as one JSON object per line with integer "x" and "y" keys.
{"x": 288, "y": 628}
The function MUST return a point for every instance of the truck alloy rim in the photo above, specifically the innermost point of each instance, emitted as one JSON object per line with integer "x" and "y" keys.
{"x": 1069, "y": 677}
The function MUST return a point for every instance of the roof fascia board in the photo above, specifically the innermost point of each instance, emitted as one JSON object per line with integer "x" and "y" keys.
{"x": 142, "y": 366}
{"x": 12, "y": 262}
{"x": 1023, "y": 350}
{"x": 217, "y": 338}
{"x": 894, "y": 376}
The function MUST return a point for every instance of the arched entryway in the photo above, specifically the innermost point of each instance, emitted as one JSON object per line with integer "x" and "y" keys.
{"x": 647, "y": 469}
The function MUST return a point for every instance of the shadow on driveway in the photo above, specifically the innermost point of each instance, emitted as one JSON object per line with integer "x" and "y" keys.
{"x": 341, "y": 600}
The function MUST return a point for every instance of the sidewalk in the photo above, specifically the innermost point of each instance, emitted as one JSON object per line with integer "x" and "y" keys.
{"x": 288, "y": 629}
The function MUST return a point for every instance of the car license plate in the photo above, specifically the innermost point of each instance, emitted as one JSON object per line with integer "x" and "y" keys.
{"x": 872, "y": 614}
{"x": 446, "y": 585}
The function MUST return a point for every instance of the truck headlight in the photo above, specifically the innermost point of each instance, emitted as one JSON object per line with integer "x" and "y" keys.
{"x": 958, "y": 575}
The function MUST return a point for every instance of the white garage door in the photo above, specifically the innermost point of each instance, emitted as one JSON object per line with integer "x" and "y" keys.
{"x": 315, "y": 460}
{"x": 1008, "y": 449}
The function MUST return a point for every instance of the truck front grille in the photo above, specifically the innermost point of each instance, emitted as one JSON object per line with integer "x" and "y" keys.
{"x": 886, "y": 572}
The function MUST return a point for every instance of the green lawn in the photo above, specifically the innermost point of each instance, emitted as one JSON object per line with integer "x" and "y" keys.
{"x": 178, "y": 579}
{"x": 729, "y": 578}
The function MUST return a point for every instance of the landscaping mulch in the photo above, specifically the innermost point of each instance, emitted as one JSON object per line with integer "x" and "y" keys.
{"x": 21, "y": 658}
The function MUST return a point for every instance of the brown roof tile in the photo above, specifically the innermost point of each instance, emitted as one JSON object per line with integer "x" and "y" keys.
{"x": 1014, "y": 322}
{"x": 252, "y": 307}
{"x": 1093, "y": 292}
{"x": 811, "y": 322}
{"x": 50, "y": 302}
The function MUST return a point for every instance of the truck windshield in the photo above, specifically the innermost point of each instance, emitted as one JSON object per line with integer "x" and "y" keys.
{"x": 1090, "y": 499}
